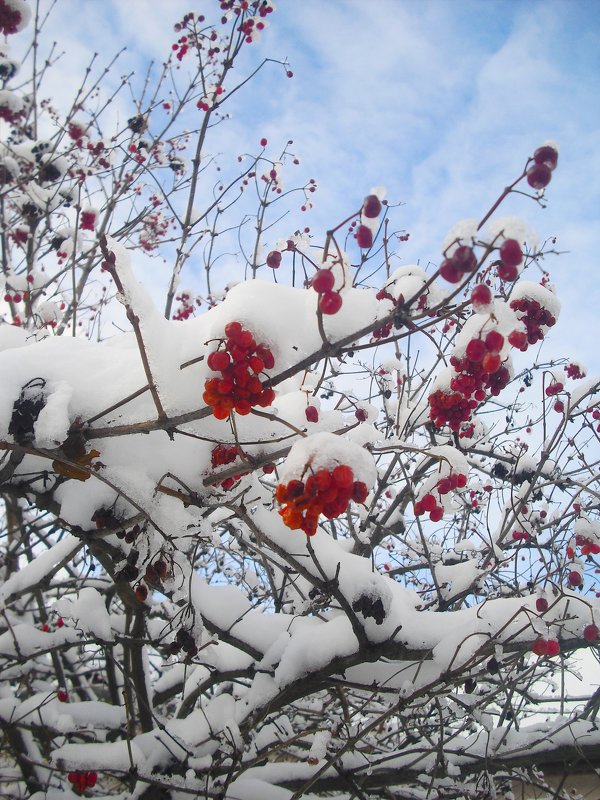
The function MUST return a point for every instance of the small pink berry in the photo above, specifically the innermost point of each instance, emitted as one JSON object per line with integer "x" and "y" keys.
{"x": 263, "y": 142}
{"x": 541, "y": 604}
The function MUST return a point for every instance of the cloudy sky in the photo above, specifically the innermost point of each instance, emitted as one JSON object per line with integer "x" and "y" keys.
{"x": 440, "y": 101}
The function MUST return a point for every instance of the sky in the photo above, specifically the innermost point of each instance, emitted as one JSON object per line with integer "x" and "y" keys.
{"x": 440, "y": 101}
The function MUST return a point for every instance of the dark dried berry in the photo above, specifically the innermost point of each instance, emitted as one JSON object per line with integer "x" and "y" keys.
{"x": 26, "y": 410}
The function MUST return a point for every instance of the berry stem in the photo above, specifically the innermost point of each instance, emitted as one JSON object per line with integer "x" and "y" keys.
{"x": 504, "y": 194}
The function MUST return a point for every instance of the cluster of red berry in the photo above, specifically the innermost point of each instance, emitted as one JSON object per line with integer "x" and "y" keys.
{"x": 187, "y": 306}
{"x": 82, "y": 780}
{"x": 545, "y": 160}
{"x": 480, "y": 369}
{"x": 462, "y": 261}
{"x": 588, "y": 546}
{"x": 87, "y": 221}
{"x": 16, "y": 297}
{"x": 429, "y": 504}
{"x": 325, "y": 492}
{"x": 574, "y": 371}
{"x": 222, "y": 455}
{"x": 596, "y": 417}
{"x": 511, "y": 256}
{"x": 47, "y": 627}
{"x": 10, "y": 17}
{"x": 371, "y": 209}
{"x": 545, "y": 647}
{"x": 240, "y": 362}
{"x": 385, "y": 330}
{"x": 555, "y": 388}
{"x": 323, "y": 282}
{"x": 533, "y": 316}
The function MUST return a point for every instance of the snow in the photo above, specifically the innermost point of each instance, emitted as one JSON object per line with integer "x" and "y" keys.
{"x": 44, "y": 565}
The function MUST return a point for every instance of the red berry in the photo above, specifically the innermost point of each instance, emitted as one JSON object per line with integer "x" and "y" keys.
{"x": 274, "y": 259}
{"x": 481, "y": 297}
{"x": 590, "y": 633}
{"x": 511, "y": 253}
{"x": 436, "y": 515}
{"x": 312, "y": 413}
{"x": 518, "y": 339}
{"x": 371, "y": 206}
{"x": 541, "y": 604}
{"x": 540, "y": 647}
{"x": 559, "y": 406}
{"x": 575, "y": 578}
{"x": 476, "y": 350}
{"x": 330, "y": 303}
{"x": 464, "y": 259}
{"x": 359, "y": 492}
{"x": 62, "y": 696}
{"x": 17, "y": 297}
{"x": 343, "y": 476}
{"x": 263, "y": 142}
{"x": 506, "y": 273}
{"x": 552, "y": 647}
{"x": 233, "y": 330}
{"x": 364, "y": 237}
{"x": 491, "y": 363}
{"x": 494, "y": 341}
{"x": 218, "y": 361}
{"x": 450, "y": 272}
{"x": 444, "y": 486}
{"x": 539, "y": 176}
{"x": 547, "y": 155}
{"x": 323, "y": 281}
{"x": 361, "y": 415}
{"x": 428, "y": 502}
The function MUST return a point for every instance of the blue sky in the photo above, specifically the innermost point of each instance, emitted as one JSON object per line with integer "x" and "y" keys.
{"x": 440, "y": 101}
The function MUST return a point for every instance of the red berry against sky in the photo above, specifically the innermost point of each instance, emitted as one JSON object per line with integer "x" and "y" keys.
{"x": 364, "y": 237}
{"x": 539, "y": 176}
{"x": 274, "y": 259}
{"x": 547, "y": 155}
{"x": 371, "y": 206}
